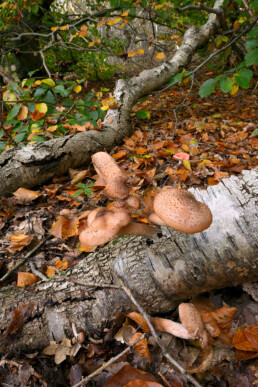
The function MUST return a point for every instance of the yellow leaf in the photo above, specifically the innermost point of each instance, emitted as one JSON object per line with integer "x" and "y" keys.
{"x": 41, "y": 107}
{"x": 160, "y": 55}
{"x": 9, "y": 95}
{"x": 23, "y": 113}
{"x": 37, "y": 83}
{"x": 140, "y": 52}
{"x": 186, "y": 164}
{"x": 158, "y": 6}
{"x": 49, "y": 82}
{"x": 114, "y": 21}
{"x": 77, "y": 88}
{"x": 125, "y": 13}
{"x": 234, "y": 89}
{"x": 52, "y": 128}
{"x": 64, "y": 27}
{"x": 23, "y": 82}
{"x": 101, "y": 23}
{"x": 54, "y": 28}
{"x": 104, "y": 108}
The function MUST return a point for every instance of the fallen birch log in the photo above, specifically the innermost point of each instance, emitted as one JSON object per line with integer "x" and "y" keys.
{"x": 161, "y": 271}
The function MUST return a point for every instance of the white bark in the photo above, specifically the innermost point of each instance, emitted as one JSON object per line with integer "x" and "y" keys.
{"x": 35, "y": 164}
{"x": 160, "y": 272}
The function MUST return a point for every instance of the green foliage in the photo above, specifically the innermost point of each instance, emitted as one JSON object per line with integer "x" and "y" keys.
{"x": 44, "y": 109}
{"x": 84, "y": 188}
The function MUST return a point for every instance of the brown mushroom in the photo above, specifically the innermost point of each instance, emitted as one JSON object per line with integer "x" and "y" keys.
{"x": 134, "y": 228}
{"x": 180, "y": 210}
{"x": 191, "y": 319}
{"x": 104, "y": 225}
{"x": 110, "y": 175}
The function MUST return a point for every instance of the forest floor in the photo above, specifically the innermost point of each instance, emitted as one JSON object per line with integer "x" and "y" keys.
{"x": 183, "y": 141}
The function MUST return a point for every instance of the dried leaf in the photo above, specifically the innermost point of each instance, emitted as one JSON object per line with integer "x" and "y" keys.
{"x": 19, "y": 317}
{"x": 24, "y": 279}
{"x": 19, "y": 241}
{"x": 26, "y": 194}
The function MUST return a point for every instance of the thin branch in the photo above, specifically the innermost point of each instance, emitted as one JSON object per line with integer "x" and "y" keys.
{"x": 146, "y": 317}
{"x": 27, "y": 256}
{"x": 107, "y": 364}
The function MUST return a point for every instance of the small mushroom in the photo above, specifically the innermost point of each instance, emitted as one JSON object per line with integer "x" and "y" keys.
{"x": 191, "y": 319}
{"x": 134, "y": 228}
{"x": 103, "y": 226}
{"x": 180, "y": 210}
{"x": 110, "y": 175}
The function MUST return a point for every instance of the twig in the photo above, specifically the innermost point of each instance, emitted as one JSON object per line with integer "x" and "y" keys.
{"x": 211, "y": 56}
{"x": 28, "y": 255}
{"x": 37, "y": 272}
{"x": 144, "y": 314}
{"x": 111, "y": 361}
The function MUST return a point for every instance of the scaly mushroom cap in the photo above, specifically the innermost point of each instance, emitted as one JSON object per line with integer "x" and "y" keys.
{"x": 180, "y": 210}
{"x": 104, "y": 225}
{"x": 110, "y": 173}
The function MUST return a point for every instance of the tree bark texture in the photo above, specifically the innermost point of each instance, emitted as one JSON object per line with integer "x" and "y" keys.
{"x": 161, "y": 271}
{"x": 35, "y": 164}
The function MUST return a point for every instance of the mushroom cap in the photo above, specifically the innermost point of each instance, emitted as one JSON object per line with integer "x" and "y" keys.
{"x": 104, "y": 226}
{"x": 191, "y": 319}
{"x": 110, "y": 173}
{"x": 180, "y": 210}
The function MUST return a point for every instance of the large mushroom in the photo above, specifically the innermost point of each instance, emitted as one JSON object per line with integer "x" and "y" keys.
{"x": 103, "y": 226}
{"x": 110, "y": 176}
{"x": 178, "y": 209}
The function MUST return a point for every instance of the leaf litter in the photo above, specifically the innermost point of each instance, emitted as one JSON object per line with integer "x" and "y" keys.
{"x": 212, "y": 140}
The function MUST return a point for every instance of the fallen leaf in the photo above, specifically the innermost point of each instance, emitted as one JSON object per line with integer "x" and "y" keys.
{"x": 26, "y": 194}
{"x": 19, "y": 317}
{"x": 24, "y": 279}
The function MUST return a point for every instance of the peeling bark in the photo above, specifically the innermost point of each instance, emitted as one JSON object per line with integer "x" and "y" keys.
{"x": 35, "y": 164}
{"x": 161, "y": 271}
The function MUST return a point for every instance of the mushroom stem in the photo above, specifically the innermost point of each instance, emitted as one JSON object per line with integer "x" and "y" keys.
{"x": 141, "y": 229}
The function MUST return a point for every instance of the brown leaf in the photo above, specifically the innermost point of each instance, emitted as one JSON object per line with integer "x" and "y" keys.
{"x": 19, "y": 317}
{"x": 36, "y": 115}
{"x": 142, "y": 383}
{"x": 127, "y": 374}
{"x": 246, "y": 338}
{"x": 23, "y": 113}
{"x": 50, "y": 272}
{"x": 26, "y": 194}
{"x": 142, "y": 324}
{"x": 64, "y": 227}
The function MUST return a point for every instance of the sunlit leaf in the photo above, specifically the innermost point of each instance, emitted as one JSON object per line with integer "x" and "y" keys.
{"x": 24, "y": 279}
{"x": 160, "y": 55}
{"x": 49, "y": 82}
{"x": 23, "y": 113}
{"x": 41, "y": 107}
{"x": 77, "y": 88}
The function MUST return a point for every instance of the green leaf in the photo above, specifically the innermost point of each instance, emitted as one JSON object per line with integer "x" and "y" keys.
{"x": 2, "y": 146}
{"x": 94, "y": 115}
{"x": 77, "y": 193}
{"x": 39, "y": 92}
{"x": 253, "y": 32}
{"x": 1, "y": 133}
{"x": 252, "y": 57}
{"x": 20, "y": 137}
{"x": 50, "y": 98}
{"x": 243, "y": 78}
{"x": 34, "y": 9}
{"x": 61, "y": 90}
{"x": 255, "y": 133}
{"x": 30, "y": 73}
{"x": 207, "y": 88}
{"x": 251, "y": 44}
{"x": 87, "y": 192}
{"x": 143, "y": 114}
{"x": 12, "y": 113}
{"x": 226, "y": 85}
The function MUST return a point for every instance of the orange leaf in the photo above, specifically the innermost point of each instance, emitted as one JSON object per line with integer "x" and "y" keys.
{"x": 24, "y": 279}
{"x": 65, "y": 228}
{"x": 50, "y": 272}
{"x": 246, "y": 339}
{"x": 142, "y": 324}
{"x": 160, "y": 55}
{"x": 61, "y": 265}
{"x": 19, "y": 241}
{"x": 141, "y": 347}
{"x": 36, "y": 115}
{"x": 23, "y": 113}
